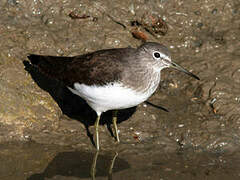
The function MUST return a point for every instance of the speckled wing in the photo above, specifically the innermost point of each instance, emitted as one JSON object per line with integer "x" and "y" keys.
{"x": 97, "y": 68}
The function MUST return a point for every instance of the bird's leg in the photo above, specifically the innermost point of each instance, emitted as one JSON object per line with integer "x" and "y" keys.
{"x": 93, "y": 167}
{"x": 111, "y": 166}
{"x": 96, "y": 131}
{"x": 115, "y": 125}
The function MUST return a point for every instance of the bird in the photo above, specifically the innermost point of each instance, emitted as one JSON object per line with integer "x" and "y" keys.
{"x": 110, "y": 79}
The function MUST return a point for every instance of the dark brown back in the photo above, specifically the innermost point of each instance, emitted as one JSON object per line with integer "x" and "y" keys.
{"x": 97, "y": 68}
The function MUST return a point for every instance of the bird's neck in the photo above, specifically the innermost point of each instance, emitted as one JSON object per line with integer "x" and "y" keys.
{"x": 143, "y": 79}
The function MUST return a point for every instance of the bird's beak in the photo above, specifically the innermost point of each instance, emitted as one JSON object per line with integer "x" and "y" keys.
{"x": 175, "y": 66}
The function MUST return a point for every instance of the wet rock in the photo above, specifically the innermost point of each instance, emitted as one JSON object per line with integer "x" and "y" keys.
{"x": 197, "y": 13}
{"x": 13, "y": 2}
{"x": 214, "y": 11}
{"x": 22, "y": 104}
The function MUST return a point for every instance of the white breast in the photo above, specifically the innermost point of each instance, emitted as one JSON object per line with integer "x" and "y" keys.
{"x": 111, "y": 96}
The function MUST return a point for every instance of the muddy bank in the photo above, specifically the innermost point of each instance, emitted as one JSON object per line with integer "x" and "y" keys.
{"x": 204, "y": 37}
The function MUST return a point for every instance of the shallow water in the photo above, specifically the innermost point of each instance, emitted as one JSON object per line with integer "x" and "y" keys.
{"x": 34, "y": 161}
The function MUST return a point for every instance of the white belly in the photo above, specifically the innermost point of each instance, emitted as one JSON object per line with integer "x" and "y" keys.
{"x": 110, "y": 97}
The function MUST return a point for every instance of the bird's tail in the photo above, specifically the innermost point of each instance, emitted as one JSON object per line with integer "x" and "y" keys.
{"x": 52, "y": 66}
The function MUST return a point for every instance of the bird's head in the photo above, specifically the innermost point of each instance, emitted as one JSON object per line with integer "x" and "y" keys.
{"x": 159, "y": 56}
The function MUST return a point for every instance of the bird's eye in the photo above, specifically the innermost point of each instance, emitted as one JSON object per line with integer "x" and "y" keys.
{"x": 156, "y": 55}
